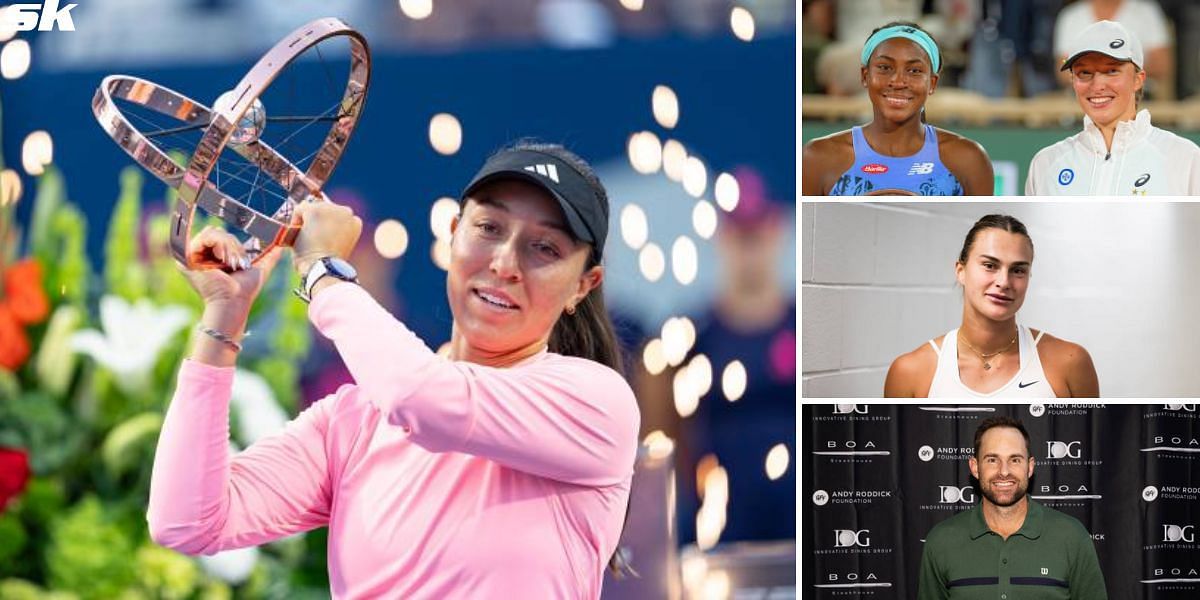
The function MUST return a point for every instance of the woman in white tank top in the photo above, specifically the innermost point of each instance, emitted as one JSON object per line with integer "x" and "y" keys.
{"x": 990, "y": 355}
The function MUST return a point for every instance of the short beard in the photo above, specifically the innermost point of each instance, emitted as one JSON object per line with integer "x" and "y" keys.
{"x": 1017, "y": 496}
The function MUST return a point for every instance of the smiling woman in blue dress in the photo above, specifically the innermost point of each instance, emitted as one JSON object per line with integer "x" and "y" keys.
{"x": 990, "y": 355}
{"x": 897, "y": 153}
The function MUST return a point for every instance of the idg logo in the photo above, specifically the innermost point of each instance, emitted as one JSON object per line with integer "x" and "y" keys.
{"x": 955, "y": 495}
{"x": 1063, "y": 449}
{"x": 848, "y": 538}
{"x": 1180, "y": 407}
{"x": 849, "y": 409}
{"x": 1175, "y": 533}
{"x": 26, "y": 17}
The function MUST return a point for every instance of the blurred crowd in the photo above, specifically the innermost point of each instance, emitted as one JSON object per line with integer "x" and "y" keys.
{"x": 175, "y": 32}
{"x": 1002, "y": 48}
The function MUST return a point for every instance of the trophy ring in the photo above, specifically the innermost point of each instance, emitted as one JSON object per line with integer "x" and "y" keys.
{"x": 234, "y": 123}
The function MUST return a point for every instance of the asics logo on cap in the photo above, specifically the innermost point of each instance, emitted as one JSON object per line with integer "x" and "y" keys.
{"x": 1142, "y": 180}
{"x": 547, "y": 170}
{"x": 1117, "y": 43}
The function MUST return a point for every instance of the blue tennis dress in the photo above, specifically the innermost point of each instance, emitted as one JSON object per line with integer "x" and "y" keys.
{"x": 922, "y": 173}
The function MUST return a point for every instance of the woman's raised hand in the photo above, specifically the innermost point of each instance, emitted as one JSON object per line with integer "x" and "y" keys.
{"x": 326, "y": 229}
{"x": 239, "y": 282}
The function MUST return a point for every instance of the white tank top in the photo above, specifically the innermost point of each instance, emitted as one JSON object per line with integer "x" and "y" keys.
{"x": 1028, "y": 382}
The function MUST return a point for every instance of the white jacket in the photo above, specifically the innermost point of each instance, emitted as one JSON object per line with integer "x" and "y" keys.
{"x": 1144, "y": 160}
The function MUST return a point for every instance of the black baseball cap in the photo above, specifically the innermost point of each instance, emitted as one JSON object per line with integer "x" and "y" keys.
{"x": 585, "y": 206}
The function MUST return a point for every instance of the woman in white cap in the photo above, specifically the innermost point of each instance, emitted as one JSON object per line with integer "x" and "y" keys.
{"x": 1118, "y": 152}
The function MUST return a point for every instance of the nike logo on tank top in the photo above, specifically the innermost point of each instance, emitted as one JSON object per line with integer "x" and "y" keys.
{"x": 921, "y": 174}
{"x": 1028, "y": 382}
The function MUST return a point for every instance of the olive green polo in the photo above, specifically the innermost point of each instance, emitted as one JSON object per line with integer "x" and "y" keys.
{"x": 1050, "y": 557}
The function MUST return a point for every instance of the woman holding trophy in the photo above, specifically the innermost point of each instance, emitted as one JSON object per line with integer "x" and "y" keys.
{"x": 505, "y": 466}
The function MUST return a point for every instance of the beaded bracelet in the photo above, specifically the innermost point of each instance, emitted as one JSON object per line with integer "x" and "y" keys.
{"x": 222, "y": 337}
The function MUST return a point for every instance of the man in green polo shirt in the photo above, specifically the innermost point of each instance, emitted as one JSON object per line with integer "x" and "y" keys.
{"x": 1009, "y": 547}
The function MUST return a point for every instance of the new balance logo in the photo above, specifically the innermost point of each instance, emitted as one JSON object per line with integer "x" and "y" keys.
{"x": 545, "y": 171}
{"x": 921, "y": 168}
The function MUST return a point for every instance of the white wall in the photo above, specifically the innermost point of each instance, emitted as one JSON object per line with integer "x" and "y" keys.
{"x": 1122, "y": 279}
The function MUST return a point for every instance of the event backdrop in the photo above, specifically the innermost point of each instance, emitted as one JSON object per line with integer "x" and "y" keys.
{"x": 887, "y": 474}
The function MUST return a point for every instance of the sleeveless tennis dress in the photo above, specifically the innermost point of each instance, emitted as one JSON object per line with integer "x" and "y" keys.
{"x": 1029, "y": 381}
{"x": 922, "y": 173}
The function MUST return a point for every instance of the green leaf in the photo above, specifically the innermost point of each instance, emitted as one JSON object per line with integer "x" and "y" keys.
{"x": 51, "y": 192}
{"x": 127, "y": 443}
{"x": 88, "y": 554}
{"x": 55, "y": 361}
{"x": 123, "y": 271}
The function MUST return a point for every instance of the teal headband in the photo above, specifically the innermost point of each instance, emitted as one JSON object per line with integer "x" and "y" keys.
{"x": 918, "y": 37}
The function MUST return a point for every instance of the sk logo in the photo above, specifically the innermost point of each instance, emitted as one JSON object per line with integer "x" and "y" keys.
{"x": 1066, "y": 176}
{"x": 25, "y": 17}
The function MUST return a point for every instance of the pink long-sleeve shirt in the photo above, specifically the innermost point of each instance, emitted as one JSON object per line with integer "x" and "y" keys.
{"x": 437, "y": 479}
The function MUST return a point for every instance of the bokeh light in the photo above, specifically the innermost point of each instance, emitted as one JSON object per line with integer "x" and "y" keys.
{"x": 742, "y": 23}
{"x": 701, "y": 373}
{"x": 440, "y": 253}
{"x": 416, "y": 9}
{"x": 445, "y": 133}
{"x": 645, "y": 152}
{"x": 777, "y": 461}
{"x": 653, "y": 358}
{"x": 684, "y": 260}
{"x": 14, "y": 59}
{"x": 8, "y": 23}
{"x": 652, "y": 262}
{"x": 391, "y": 238}
{"x": 704, "y": 219}
{"x": 686, "y": 399}
{"x": 634, "y": 5}
{"x": 441, "y": 214}
{"x": 658, "y": 445}
{"x": 10, "y": 187}
{"x": 727, "y": 192}
{"x": 733, "y": 380}
{"x": 37, "y": 151}
{"x": 666, "y": 106}
{"x": 674, "y": 155}
{"x": 695, "y": 176}
{"x": 634, "y": 228}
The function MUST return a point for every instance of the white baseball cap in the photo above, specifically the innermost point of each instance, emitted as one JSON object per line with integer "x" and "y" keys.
{"x": 1109, "y": 38}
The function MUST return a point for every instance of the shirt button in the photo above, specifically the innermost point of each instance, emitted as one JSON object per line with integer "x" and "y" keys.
{"x": 1003, "y": 560}
{"x": 1003, "y": 596}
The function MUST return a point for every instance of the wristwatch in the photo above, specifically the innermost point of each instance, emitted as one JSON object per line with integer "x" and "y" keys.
{"x": 328, "y": 265}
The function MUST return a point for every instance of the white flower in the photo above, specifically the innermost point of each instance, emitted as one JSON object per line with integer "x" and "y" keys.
{"x": 131, "y": 338}
{"x": 231, "y": 566}
{"x": 258, "y": 412}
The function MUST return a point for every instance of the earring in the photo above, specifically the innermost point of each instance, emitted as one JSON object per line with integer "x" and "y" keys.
{"x": 570, "y": 310}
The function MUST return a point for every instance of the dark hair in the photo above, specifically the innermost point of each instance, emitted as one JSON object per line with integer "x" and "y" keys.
{"x": 1001, "y": 421}
{"x": 1003, "y": 222}
{"x": 588, "y": 332}
{"x": 914, "y": 26}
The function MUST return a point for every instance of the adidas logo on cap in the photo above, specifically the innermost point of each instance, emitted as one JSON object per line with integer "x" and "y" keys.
{"x": 547, "y": 170}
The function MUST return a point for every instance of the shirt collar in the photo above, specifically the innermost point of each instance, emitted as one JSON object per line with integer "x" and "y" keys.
{"x": 1127, "y": 133}
{"x": 1031, "y": 528}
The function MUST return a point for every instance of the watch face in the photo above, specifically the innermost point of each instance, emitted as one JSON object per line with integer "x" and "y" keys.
{"x": 340, "y": 269}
